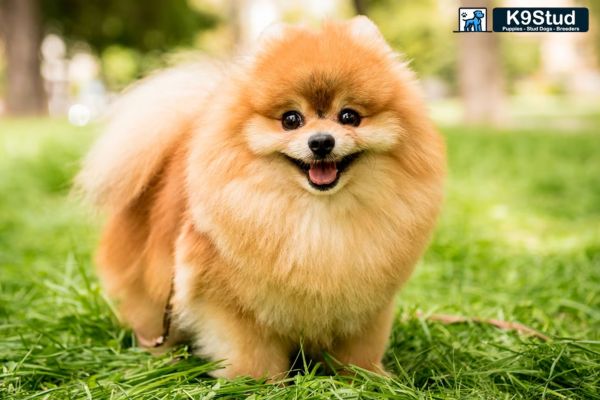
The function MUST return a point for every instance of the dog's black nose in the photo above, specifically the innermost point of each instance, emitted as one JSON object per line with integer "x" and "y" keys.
{"x": 321, "y": 144}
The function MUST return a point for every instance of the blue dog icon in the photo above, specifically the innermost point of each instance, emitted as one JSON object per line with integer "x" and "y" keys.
{"x": 473, "y": 24}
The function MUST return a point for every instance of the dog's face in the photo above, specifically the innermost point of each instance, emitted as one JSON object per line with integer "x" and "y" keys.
{"x": 324, "y": 101}
{"x": 478, "y": 14}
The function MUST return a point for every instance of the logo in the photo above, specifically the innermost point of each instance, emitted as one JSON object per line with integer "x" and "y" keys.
{"x": 574, "y": 19}
{"x": 524, "y": 19}
{"x": 472, "y": 19}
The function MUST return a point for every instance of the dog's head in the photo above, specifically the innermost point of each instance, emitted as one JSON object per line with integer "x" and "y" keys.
{"x": 478, "y": 14}
{"x": 325, "y": 101}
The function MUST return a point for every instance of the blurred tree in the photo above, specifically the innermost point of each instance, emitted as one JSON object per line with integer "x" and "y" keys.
{"x": 154, "y": 25}
{"x": 360, "y": 7}
{"x": 481, "y": 74}
{"x": 595, "y": 26}
{"x": 20, "y": 24}
{"x": 234, "y": 20}
{"x": 148, "y": 26}
{"x": 521, "y": 60}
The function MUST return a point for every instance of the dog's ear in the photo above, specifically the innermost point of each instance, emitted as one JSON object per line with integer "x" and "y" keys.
{"x": 363, "y": 29}
{"x": 272, "y": 33}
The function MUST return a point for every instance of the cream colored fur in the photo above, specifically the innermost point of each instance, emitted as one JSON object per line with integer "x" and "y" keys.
{"x": 144, "y": 124}
{"x": 197, "y": 173}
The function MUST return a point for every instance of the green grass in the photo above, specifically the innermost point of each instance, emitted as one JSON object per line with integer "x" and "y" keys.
{"x": 519, "y": 240}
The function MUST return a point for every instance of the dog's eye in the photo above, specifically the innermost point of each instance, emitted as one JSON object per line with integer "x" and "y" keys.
{"x": 349, "y": 117}
{"x": 291, "y": 120}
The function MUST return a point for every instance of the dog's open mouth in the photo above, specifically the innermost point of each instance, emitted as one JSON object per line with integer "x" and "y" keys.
{"x": 324, "y": 174}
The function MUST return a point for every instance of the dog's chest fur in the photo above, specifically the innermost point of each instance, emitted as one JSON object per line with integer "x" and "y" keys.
{"x": 312, "y": 270}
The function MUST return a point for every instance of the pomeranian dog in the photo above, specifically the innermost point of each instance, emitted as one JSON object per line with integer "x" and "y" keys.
{"x": 278, "y": 201}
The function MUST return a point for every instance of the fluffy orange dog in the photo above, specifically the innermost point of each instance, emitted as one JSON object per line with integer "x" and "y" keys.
{"x": 287, "y": 197}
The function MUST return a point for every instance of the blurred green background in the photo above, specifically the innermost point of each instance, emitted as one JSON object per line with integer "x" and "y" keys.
{"x": 60, "y": 54}
{"x": 518, "y": 239}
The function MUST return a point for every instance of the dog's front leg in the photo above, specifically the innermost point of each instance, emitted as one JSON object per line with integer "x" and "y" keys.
{"x": 206, "y": 308}
{"x": 366, "y": 348}
{"x": 245, "y": 349}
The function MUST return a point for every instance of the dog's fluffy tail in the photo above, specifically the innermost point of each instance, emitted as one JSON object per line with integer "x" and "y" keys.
{"x": 143, "y": 127}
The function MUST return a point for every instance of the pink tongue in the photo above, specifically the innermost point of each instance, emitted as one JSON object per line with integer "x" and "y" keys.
{"x": 322, "y": 173}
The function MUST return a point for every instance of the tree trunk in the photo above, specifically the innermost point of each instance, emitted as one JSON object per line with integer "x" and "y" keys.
{"x": 360, "y": 7}
{"x": 481, "y": 74}
{"x": 21, "y": 25}
{"x": 234, "y": 18}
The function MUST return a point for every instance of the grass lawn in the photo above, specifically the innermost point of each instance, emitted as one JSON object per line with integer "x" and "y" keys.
{"x": 519, "y": 240}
